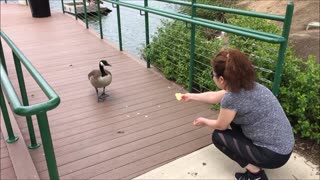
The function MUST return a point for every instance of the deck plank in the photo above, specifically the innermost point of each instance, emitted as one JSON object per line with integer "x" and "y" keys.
{"x": 7, "y": 174}
{"x": 139, "y": 127}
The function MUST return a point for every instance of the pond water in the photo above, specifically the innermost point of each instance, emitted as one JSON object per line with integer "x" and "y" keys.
{"x": 132, "y": 23}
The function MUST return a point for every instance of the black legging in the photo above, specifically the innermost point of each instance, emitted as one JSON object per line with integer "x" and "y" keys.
{"x": 239, "y": 148}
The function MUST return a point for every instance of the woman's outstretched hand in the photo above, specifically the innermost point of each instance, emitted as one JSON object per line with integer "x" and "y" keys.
{"x": 186, "y": 97}
{"x": 200, "y": 121}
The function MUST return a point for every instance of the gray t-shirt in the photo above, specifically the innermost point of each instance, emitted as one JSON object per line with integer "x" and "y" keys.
{"x": 262, "y": 118}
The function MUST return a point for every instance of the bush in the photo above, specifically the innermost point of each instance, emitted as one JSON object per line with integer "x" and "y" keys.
{"x": 300, "y": 96}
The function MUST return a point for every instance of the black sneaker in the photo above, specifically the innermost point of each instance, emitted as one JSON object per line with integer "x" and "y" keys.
{"x": 261, "y": 175}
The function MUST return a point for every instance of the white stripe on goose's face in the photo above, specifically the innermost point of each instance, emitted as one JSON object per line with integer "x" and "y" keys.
{"x": 101, "y": 63}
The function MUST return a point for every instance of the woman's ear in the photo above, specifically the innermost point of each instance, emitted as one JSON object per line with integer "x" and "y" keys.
{"x": 222, "y": 82}
{"x": 221, "y": 79}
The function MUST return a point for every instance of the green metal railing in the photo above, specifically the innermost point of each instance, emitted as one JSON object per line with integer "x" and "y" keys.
{"x": 282, "y": 40}
{"x": 24, "y": 109}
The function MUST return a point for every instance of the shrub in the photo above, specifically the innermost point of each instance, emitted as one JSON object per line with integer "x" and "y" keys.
{"x": 300, "y": 95}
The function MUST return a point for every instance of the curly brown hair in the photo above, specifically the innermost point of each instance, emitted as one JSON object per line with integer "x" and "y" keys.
{"x": 236, "y": 69}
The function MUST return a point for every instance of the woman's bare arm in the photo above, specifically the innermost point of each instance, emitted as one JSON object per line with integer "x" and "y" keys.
{"x": 207, "y": 97}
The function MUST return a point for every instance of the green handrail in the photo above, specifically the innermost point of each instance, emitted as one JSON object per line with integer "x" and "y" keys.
{"x": 39, "y": 109}
{"x": 259, "y": 35}
{"x": 54, "y": 99}
{"x": 192, "y": 48}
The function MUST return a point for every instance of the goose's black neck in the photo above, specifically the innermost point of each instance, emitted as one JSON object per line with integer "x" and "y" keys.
{"x": 103, "y": 72}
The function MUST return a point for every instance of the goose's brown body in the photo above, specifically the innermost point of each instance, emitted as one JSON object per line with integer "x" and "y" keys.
{"x": 99, "y": 81}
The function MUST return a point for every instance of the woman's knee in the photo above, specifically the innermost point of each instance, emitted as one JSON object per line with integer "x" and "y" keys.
{"x": 216, "y": 137}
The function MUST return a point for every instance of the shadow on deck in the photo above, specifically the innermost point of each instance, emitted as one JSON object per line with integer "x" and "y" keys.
{"x": 141, "y": 125}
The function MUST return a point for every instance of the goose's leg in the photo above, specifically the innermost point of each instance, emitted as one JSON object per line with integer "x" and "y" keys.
{"x": 99, "y": 97}
{"x": 104, "y": 95}
{"x": 97, "y": 92}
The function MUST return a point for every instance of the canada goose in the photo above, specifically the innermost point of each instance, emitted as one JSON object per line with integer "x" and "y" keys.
{"x": 100, "y": 79}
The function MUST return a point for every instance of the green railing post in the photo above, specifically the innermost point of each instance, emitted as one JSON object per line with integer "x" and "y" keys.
{"x": 282, "y": 48}
{"x": 75, "y": 9}
{"x": 85, "y": 13}
{"x": 192, "y": 48}
{"x": 146, "y": 19}
{"x": 100, "y": 24}
{"x": 62, "y": 6}
{"x": 119, "y": 27}
{"x": 24, "y": 96}
{"x": 3, "y": 61}
{"x": 47, "y": 145}
{"x": 11, "y": 137}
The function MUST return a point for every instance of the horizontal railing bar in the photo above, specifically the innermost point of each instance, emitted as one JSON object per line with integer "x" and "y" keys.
{"x": 15, "y": 103}
{"x": 239, "y": 28}
{"x": 230, "y": 28}
{"x": 229, "y": 10}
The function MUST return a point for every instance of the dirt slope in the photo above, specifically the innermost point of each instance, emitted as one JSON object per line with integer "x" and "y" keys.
{"x": 305, "y": 11}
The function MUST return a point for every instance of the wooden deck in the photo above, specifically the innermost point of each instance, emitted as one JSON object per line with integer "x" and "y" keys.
{"x": 138, "y": 128}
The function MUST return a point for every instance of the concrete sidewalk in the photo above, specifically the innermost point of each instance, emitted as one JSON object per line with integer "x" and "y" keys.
{"x": 210, "y": 163}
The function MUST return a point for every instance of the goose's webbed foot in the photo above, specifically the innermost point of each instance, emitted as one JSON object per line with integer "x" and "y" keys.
{"x": 102, "y": 97}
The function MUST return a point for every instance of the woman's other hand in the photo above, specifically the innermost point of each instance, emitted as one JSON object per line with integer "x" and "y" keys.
{"x": 200, "y": 121}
